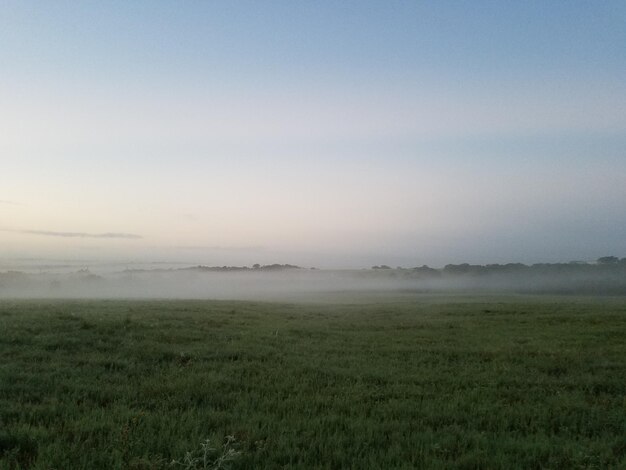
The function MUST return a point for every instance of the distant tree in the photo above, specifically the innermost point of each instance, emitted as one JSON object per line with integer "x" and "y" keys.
{"x": 256, "y": 266}
{"x": 466, "y": 268}
{"x": 426, "y": 271}
{"x": 608, "y": 260}
{"x": 457, "y": 268}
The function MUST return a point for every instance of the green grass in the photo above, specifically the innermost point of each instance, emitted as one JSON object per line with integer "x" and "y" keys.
{"x": 428, "y": 382}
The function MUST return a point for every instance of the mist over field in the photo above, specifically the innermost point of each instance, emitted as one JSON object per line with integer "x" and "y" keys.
{"x": 433, "y": 194}
{"x": 287, "y": 282}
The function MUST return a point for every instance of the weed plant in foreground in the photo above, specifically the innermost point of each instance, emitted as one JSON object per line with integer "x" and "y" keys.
{"x": 423, "y": 382}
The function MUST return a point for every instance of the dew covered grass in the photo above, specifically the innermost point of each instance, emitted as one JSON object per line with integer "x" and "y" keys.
{"x": 424, "y": 382}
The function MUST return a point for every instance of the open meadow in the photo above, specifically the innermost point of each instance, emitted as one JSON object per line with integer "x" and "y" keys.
{"x": 500, "y": 382}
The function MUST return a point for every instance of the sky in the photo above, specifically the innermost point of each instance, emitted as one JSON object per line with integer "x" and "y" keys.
{"x": 319, "y": 133}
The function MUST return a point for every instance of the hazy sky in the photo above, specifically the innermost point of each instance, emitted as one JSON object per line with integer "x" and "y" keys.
{"x": 328, "y": 133}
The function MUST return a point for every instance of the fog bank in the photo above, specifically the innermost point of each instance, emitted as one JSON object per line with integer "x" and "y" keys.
{"x": 285, "y": 282}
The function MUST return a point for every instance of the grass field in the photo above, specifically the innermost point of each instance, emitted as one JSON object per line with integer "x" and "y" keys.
{"x": 427, "y": 382}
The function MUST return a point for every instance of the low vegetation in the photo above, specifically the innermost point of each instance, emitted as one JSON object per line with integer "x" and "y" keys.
{"x": 420, "y": 382}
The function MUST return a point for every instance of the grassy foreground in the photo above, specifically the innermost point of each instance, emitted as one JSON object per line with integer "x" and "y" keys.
{"x": 428, "y": 383}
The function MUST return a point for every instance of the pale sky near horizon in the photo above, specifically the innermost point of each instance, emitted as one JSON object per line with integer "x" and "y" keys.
{"x": 333, "y": 134}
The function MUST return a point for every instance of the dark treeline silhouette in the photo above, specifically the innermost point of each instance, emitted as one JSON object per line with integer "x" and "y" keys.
{"x": 607, "y": 275}
{"x": 255, "y": 267}
{"x": 605, "y": 263}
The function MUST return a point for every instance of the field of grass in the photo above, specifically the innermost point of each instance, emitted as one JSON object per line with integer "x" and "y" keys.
{"x": 430, "y": 382}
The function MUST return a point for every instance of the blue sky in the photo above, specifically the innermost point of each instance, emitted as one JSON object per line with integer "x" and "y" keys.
{"x": 325, "y": 133}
